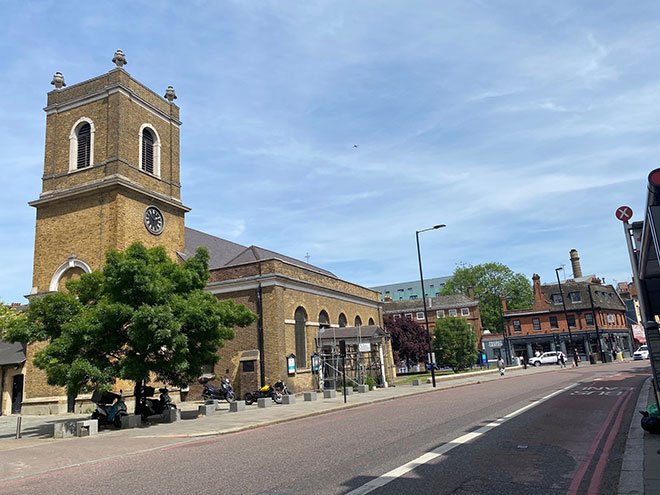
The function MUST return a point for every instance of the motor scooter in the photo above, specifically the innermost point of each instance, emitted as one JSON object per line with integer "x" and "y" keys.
{"x": 110, "y": 408}
{"x": 150, "y": 406}
{"x": 223, "y": 392}
{"x": 265, "y": 391}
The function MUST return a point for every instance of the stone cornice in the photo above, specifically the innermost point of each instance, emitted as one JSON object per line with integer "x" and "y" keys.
{"x": 279, "y": 280}
{"x": 116, "y": 87}
{"x": 94, "y": 186}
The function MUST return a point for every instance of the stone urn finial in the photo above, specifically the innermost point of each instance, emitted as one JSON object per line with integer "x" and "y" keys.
{"x": 58, "y": 80}
{"x": 170, "y": 95}
{"x": 119, "y": 59}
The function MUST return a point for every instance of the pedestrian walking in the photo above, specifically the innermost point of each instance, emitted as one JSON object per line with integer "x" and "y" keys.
{"x": 576, "y": 357}
{"x": 500, "y": 365}
{"x": 613, "y": 354}
{"x": 562, "y": 360}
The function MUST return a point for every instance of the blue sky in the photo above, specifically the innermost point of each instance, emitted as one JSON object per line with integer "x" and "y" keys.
{"x": 522, "y": 125}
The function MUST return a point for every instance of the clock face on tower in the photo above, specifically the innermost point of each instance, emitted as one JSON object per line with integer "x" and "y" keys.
{"x": 153, "y": 220}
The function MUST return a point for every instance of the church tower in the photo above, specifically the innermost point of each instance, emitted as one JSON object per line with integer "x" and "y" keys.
{"x": 111, "y": 175}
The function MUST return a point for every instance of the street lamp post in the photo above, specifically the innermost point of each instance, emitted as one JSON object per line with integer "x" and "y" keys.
{"x": 563, "y": 303}
{"x": 421, "y": 278}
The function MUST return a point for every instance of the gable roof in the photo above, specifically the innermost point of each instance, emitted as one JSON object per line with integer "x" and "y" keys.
{"x": 455, "y": 301}
{"x": 223, "y": 253}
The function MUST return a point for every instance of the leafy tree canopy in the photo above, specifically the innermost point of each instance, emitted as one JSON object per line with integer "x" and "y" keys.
{"x": 454, "y": 343}
{"x": 491, "y": 281}
{"x": 409, "y": 341}
{"x": 143, "y": 315}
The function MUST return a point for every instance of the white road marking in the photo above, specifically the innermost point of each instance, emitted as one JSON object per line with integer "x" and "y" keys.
{"x": 443, "y": 449}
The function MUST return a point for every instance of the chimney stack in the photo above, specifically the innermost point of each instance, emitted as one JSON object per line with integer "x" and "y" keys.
{"x": 575, "y": 262}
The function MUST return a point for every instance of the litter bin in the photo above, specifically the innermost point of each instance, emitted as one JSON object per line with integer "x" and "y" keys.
{"x": 592, "y": 358}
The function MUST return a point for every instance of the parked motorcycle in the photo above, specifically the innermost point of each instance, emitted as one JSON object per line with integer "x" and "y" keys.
{"x": 223, "y": 392}
{"x": 110, "y": 408}
{"x": 265, "y": 391}
{"x": 150, "y": 406}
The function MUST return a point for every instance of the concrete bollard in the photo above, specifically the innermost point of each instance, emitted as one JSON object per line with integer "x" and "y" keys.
{"x": 66, "y": 429}
{"x": 87, "y": 427}
{"x": 264, "y": 402}
{"x": 236, "y": 406}
{"x": 206, "y": 409}
{"x": 171, "y": 415}
{"x": 416, "y": 382}
{"x": 211, "y": 402}
{"x": 329, "y": 394}
{"x": 131, "y": 421}
{"x": 288, "y": 399}
{"x": 349, "y": 390}
{"x": 363, "y": 389}
{"x": 309, "y": 396}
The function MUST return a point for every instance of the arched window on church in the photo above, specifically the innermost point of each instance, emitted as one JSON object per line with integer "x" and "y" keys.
{"x": 371, "y": 321}
{"x": 342, "y": 320}
{"x": 84, "y": 145}
{"x": 300, "y": 319}
{"x": 324, "y": 320}
{"x": 358, "y": 321}
{"x": 148, "y": 151}
{"x": 81, "y": 144}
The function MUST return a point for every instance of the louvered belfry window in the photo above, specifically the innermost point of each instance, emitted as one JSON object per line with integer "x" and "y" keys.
{"x": 84, "y": 145}
{"x": 148, "y": 151}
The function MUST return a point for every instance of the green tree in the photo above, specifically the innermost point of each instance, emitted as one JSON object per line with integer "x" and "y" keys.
{"x": 491, "y": 281}
{"x": 454, "y": 343}
{"x": 142, "y": 316}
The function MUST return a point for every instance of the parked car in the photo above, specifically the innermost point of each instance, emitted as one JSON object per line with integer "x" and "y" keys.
{"x": 550, "y": 357}
{"x": 641, "y": 353}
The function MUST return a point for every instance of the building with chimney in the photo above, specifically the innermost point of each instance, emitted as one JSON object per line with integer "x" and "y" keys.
{"x": 580, "y": 313}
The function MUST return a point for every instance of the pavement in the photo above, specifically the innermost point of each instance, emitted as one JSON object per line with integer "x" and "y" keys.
{"x": 640, "y": 470}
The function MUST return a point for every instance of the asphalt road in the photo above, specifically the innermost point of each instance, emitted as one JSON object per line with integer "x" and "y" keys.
{"x": 460, "y": 440}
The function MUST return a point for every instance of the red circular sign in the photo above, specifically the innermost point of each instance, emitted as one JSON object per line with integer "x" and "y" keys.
{"x": 624, "y": 213}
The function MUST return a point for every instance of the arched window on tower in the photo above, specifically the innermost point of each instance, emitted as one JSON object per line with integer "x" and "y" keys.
{"x": 300, "y": 319}
{"x": 342, "y": 320}
{"x": 81, "y": 144}
{"x": 147, "y": 151}
{"x": 84, "y": 145}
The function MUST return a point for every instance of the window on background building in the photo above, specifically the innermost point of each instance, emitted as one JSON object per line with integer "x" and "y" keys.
{"x": 414, "y": 296}
{"x": 611, "y": 297}
{"x": 396, "y": 317}
{"x": 408, "y": 315}
{"x": 387, "y": 292}
{"x": 553, "y": 322}
{"x": 571, "y": 320}
{"x": 437, "y": 293}
{"x": 610, "y": 318}
{"x": 440, "y": 313}
{"x": 576, "y": 297}
{"x": 465, "y": 312}
{"x": 453, "y": 312}
{"x": 371, "y": 321}
{"x": 516, "y": 326}
{"x": 537, "y": 324}
{"x": 589, "y": 319}
{"x": 556, "y": 298}
{"x": 420, "y": 315}
{"x": 400, "y": 290}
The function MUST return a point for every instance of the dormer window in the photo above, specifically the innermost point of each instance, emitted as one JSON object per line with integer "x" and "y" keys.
{"x": 81, "y": 144}
{"x": 149, "y": 150}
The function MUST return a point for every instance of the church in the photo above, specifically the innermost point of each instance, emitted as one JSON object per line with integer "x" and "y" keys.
{"x": 112, "y": 177}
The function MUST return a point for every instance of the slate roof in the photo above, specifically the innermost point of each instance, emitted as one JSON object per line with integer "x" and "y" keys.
{"x": 11, "y": 353}
{"x": 365, "y": 332}
{"x": 604, "y": 296}
{"x": 225, "y": 253}
{"x": 432, "y": 303}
